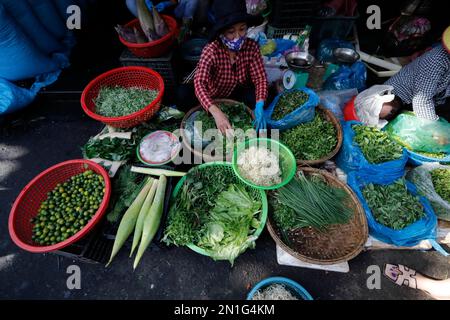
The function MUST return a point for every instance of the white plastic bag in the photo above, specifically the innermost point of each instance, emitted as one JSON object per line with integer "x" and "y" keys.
{"x": 421, "y": 177}
{"x": 368, "y": 104}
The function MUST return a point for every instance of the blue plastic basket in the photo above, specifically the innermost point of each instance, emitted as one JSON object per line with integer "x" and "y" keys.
{"x": 288, "y": 283}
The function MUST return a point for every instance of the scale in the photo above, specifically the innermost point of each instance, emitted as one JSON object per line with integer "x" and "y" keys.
{"x": 297, "y": 76}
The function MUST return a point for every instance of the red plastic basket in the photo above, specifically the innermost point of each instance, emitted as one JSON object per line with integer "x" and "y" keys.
{"x": 155, "y": 48}
{"x": 30, "y": 198}
{"x": 125, "y": 77}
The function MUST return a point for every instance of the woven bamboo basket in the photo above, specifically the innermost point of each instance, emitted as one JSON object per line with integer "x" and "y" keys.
{"x": 340, "y": 243}
{"x": 337, "y": 125}
{"x": 187, "y": 142}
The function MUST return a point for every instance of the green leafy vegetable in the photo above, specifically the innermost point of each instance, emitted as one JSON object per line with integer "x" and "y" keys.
{"x": 310, "y": 202}
{"x": 230, "y": 224}
{"x": 289, "y": 102}
{"x": 126, "y": 187}
{"x": 194, "y": 201}
{"x": 214, "y": 213}
{"x": 376, "y": 145}
{"x": 113, "y": 149}
{"x": 312, "y": 140}
{"x": 119, "y": 101}
{"x": 441, "y": 182}
{"x": 393, "y": 205}
{"x": 433, "y": 155}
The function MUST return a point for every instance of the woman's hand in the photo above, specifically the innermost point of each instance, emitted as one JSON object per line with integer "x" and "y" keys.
{"x": 222, "y": 122}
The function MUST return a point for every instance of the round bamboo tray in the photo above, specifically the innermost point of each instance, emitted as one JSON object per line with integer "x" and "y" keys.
{"x": 340, "y": 243}
{"x": 187, "y": 143}
{"x": 337, "y": 125}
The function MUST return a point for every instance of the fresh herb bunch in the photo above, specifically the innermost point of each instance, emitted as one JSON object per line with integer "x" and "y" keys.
{"x": 312, "y": 140}
{"x": 236, "y": 113}
{"x": 112, "y": 149}
{"x": 289, "y": 102}
{"x": 393, "y": 205}
{"x": 376, "y": 145}
{"x": 195, "y": 200}
{"x": 441, "y": 183}
{"x": 440, "y": 155}
{"x": 239, "y": 119}
{"x": 310, "y": 202}
{"x": 119, "y": 101}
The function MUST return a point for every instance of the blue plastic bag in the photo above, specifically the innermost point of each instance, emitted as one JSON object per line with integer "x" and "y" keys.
{"x": 326, "y": 47}
{"x": 19, "y": 57}
{"x": 424, "y": 229}
{"x": 14, "y": 98}
{"x": 348, "y": 78}
{"x": 304, "y": 113}
{"x": 47, "y": 13}
{"x": 350, "y": 158}
{"x": 22, "y": 12}
{"x": 416, "y": 159}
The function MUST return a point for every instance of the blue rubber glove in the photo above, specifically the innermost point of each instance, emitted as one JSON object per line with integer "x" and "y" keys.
{"x": 149, "y": 4}
{"x": 260, "y": 121}
{"x": 163, "y": 5}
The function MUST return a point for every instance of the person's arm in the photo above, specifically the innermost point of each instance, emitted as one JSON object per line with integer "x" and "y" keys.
{"x": 425, "y": 84}
{"x": 201, "y": 79}
{"x": 258, "y": 75}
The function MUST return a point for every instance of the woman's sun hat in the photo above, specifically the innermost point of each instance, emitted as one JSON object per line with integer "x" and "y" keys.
{"x": 446, "y": 39}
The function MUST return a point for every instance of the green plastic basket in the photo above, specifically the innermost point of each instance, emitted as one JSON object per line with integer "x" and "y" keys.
{"x": 288, "y": 164}
{"x": 254, "y": 193}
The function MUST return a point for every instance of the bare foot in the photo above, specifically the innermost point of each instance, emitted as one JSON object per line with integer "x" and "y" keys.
{"x": 404, "y": 276}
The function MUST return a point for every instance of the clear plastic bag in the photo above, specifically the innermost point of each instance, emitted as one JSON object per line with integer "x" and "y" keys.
{"x": 336, "y": 100}
{"x": 421, "y": 177}
{"x": 420, "y": 135}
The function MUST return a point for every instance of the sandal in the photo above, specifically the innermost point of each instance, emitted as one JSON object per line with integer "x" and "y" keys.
{"x": 401, "y": 275}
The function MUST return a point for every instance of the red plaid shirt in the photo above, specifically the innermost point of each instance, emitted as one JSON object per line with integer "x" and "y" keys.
{"x": 216, "y": 77}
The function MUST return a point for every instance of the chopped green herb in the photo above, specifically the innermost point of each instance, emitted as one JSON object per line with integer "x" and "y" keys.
{"x": 289, "y": 102}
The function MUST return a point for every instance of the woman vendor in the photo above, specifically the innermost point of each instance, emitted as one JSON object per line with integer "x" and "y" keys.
{"x": 231, "y": 65}
{"x": 425, "y": 82}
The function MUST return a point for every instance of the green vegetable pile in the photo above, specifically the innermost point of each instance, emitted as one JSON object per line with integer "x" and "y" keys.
{"x": 433, "y": 155}
{"x": 310, "y": 202}
{"x": 113, "y": 149}
{"x": 119, "y": 101}
{"x": 313, "y": 140}
{"x": 289, "y": 102}
{"x": 214, "y": 213}
{"x": 441, "y": 183}
{"x": 236, "y": 113}
{"x": 68, "y": 208}
{"x": 376, "y": 146}
{"x": 239, "y": 119}
{"x": 392, "y": 205}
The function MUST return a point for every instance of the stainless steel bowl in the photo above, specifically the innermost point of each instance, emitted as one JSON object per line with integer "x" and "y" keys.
{"x": 346, "y": 55}
{"x": 299, "y": 60}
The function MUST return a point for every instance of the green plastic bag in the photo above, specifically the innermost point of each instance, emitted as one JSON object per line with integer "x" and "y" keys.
{"x": 420, "y": 135}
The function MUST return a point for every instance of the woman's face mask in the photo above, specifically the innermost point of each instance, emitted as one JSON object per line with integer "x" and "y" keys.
{"x": 233, "y": 38}
{"x": 235, "y": 44}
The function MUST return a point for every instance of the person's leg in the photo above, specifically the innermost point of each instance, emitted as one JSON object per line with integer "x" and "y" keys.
{"x": 404, "y": 276}
{"x": 185, "y": 97}
{"x": 246, "y": 95}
